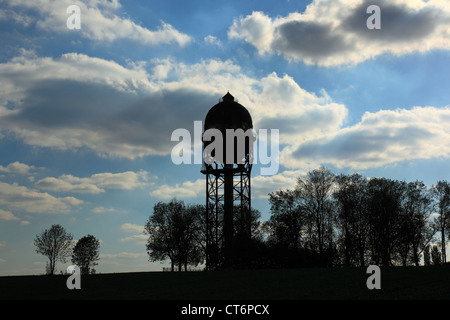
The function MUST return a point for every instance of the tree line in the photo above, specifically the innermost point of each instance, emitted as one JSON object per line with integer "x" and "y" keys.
{"x": 58, "y": 245}
{"x": 325, "y": 220}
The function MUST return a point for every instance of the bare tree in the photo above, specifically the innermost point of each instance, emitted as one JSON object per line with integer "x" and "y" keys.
{"x": 54, "y": 243}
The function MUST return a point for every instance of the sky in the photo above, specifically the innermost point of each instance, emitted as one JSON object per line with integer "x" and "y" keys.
{"x": 87, "y": 114}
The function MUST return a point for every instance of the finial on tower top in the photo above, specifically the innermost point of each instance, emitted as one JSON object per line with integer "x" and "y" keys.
{"x": 228, "y": 97}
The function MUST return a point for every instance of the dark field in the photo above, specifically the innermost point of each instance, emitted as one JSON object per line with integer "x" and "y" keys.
{"x": 285, "y": 284}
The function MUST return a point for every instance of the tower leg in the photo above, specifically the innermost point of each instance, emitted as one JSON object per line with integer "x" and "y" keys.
{"x": 228, "y": 228}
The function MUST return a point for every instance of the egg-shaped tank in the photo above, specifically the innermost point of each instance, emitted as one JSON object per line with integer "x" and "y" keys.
{"x": 229, "y": 114}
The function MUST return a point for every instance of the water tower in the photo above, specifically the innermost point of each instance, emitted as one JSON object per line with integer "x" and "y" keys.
{"x": 228, "y": 201}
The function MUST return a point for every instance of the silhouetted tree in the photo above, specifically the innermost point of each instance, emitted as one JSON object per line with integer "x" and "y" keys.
{"x": 287, "y": 230}
{"x": 314, "y": 194}
{"x": 171, "y": 230}
{"x": 441, "y": 193}
{"x": 246, "y": 245}
{"x": 352, "y": 218}
{"x": 302, "y": 224}
{"x": 190, "y": 250}
{"x": 54, "y": 243}
{"x": 286, "y": 221}
{"x": 197, "y": 230}
{"x": 436, "y": 256}
{"x": 384, "y": 204}
{"x": 415, "y": 232}
{"x": 426, "y": 256}
{"x": 86, "y": 253}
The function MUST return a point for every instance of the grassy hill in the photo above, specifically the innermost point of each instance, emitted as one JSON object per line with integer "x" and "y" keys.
{"x": 282, "y": 284}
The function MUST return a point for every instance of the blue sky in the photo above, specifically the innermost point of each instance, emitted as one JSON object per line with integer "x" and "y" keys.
{"x": 86, "y": 115}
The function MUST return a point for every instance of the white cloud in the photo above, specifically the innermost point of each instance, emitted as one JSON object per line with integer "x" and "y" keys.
{"x": 68, "y": 183}
{"x": 130, "y": 227}
{"x": 297, "y": 113}
{"x": 334, "y": 32}
{"x": 7, "y": 14}
{"x": 380, "y": 138}
{"x": 212, "y": 40}
{"x": 263, "y": 185}
{"x": 19, "y": 198}
{"x": 101, "y": 209}
{"x": 137, "y": 238}
{"x": 6, "y": 215}
{"x": 93, "y": 102}
{"x": 129, "y": 113}
{"x": 97, "y": 183}
{"x": 78, "y": 101}
{"x": 128, "y": 180}
{"x": 116, "y": 257}
{"x": 100, "y": 21}
{"x": 256, "y": 29}
{"x": 26, "y": 70}
{"x": 17, "y": 167}
{"x": 187, "y": 189}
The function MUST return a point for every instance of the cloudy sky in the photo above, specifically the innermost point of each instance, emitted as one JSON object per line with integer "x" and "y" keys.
{"x": 86, "y": 115}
